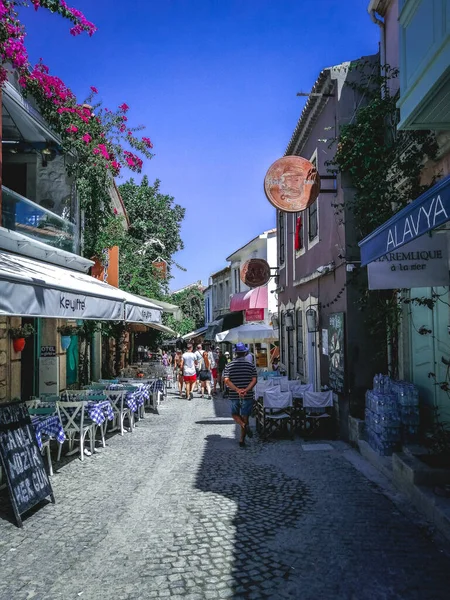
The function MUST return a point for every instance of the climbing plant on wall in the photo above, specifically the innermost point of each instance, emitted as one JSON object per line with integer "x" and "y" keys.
{"x": 385, "y": 166}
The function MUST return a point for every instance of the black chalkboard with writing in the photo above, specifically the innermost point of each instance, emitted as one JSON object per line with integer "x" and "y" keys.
{"x": 21, "y": 459}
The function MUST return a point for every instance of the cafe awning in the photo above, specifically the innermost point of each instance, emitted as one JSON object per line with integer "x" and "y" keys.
{"x": 34, "y": 288}
{"x": 256, "y": 298}
{"x": 427, "y": 212}
{"x": 194, "y": 334}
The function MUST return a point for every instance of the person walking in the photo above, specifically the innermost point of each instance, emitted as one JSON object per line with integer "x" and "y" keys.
{"x": 240, "y": 378}
{"x": 224, "y": 359}
{"x": 189, "y": 363}
{"x": 178, "y": 371}
{"x": 214, "y": 369}
{"x": 205, "y": 375}
{"x": 198, "y": 357}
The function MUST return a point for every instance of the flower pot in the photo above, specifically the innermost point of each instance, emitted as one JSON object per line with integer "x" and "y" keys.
{"x": 18, "y": 344}
{"x": 65, "y": 341}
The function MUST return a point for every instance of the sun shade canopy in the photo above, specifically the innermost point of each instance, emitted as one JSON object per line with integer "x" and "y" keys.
{"x": 33, "y": 288}
{"x": 256, "y": 298}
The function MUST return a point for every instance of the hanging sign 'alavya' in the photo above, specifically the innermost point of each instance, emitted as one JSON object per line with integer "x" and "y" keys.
{"x": 255, "y": 272}
{"x": 292, "y": 183}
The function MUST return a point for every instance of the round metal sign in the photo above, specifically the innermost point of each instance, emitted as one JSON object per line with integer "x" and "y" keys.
{"x": 255, "y": 272}
{"x": 292, "y": 183}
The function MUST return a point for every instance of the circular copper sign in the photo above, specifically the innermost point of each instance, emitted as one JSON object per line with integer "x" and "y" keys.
{"x": 292, "y": 183}
{"x": 255, "y": 272}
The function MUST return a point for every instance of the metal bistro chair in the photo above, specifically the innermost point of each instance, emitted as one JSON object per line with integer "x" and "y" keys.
{"x": 317, "y": 408}
{"x": 75, "y": 425}
{"x": 275, "y": 413}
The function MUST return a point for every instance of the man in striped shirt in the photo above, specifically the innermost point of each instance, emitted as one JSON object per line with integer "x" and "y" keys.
{"x": 240, "y": 377}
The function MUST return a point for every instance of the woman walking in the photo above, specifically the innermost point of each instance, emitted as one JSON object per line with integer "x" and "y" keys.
{"x": 178, "y": 371}
{"x": 205, "y": 375}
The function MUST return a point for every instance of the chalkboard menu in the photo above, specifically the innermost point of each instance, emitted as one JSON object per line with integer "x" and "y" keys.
{"x": 22, "y": 462}
{"x": 336, "y": 352}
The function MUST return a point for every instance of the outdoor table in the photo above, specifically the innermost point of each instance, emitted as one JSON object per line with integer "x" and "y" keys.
{"x": 98, "y": 412}
{"x": 48, "y": 425}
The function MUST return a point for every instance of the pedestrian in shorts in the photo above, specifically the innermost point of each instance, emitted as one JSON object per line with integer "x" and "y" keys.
{"x": 240, "y": 377}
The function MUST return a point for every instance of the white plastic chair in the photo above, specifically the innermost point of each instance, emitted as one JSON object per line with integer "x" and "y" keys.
{"x": 72, "y": 417}
{"x": 276, "y": 412}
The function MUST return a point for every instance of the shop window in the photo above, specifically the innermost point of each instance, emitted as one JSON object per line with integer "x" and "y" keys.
{"x": 300, "y": 361}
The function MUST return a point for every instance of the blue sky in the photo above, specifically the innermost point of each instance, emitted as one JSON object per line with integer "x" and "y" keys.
{"x": 215, "y": 83}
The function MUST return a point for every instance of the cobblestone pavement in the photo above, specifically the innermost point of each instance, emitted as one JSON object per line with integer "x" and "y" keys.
{"x": 178, "y": 510}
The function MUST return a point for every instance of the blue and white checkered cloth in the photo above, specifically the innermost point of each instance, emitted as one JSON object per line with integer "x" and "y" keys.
{"x": 48, "y": 425}
{"x": 157, "y": 386}
{"x": 99, "y": 411}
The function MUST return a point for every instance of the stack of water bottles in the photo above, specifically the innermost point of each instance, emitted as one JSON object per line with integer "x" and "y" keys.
{"x": 408, "y": 402}
{"x": 392, "y": 414}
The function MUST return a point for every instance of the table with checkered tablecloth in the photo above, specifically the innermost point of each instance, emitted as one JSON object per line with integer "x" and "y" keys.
{"x": 48, "y": 425}
{"x": 96, "y": 411}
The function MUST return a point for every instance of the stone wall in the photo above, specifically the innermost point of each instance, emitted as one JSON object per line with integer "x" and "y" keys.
{"x": 10, "y": 363}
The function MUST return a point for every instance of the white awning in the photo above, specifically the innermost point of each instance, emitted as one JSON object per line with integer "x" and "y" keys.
{"x": 33, "y": 288}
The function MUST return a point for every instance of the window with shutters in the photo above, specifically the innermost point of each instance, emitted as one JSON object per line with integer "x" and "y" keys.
{"x": 313, "y": 225}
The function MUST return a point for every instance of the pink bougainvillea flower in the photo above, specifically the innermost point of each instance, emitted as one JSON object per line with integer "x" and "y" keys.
{"x": 87, "y": 138}
{"x": 72, "y": 129}
{"x": 124, "y": 107}
{"x": 94, "y": 89}
{"x": 116, "y": 212}
{"x": 147, "y": 141}
{"x": 37, "y": 4}
{"x": 122, "y": 128}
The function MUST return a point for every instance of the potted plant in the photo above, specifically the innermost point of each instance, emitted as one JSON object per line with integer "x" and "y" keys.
{"x": 19, "y": 334}
{"x": 67, "y": 331}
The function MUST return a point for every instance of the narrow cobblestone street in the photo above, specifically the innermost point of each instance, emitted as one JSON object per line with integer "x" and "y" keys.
{"x": 178, "y": 510}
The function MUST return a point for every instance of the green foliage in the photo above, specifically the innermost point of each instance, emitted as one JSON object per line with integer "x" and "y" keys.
{"x": 385, "y": 164}
{"x": 24, "y": 331}
{"x": 154, "y": 233}
{"x": 191, "y": 303}
{"x": 68, "y": 330}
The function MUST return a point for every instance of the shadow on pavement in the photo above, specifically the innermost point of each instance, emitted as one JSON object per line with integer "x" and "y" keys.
{"x": 262, "y": 504}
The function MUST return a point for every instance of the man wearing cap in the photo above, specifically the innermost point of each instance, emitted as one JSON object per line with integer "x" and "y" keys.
{"x": 240, "y": 378}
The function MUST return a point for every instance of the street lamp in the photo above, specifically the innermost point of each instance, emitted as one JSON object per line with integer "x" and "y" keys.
{"x": 311, "y": 321}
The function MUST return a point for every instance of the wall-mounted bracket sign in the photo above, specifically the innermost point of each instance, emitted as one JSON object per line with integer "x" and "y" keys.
{"x": 421, "y": 263}
{"x": 160, "y": 268}
{"x": 255, "y": 272}
{"x": 292, "y": 184}
{"x": 22, "y": 462}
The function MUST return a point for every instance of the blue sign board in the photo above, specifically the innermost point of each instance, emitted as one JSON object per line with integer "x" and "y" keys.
{"x": 427, "y": 212}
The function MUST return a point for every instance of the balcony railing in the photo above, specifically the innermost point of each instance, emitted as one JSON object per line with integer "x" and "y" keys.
{"x": 24, "y": 216}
